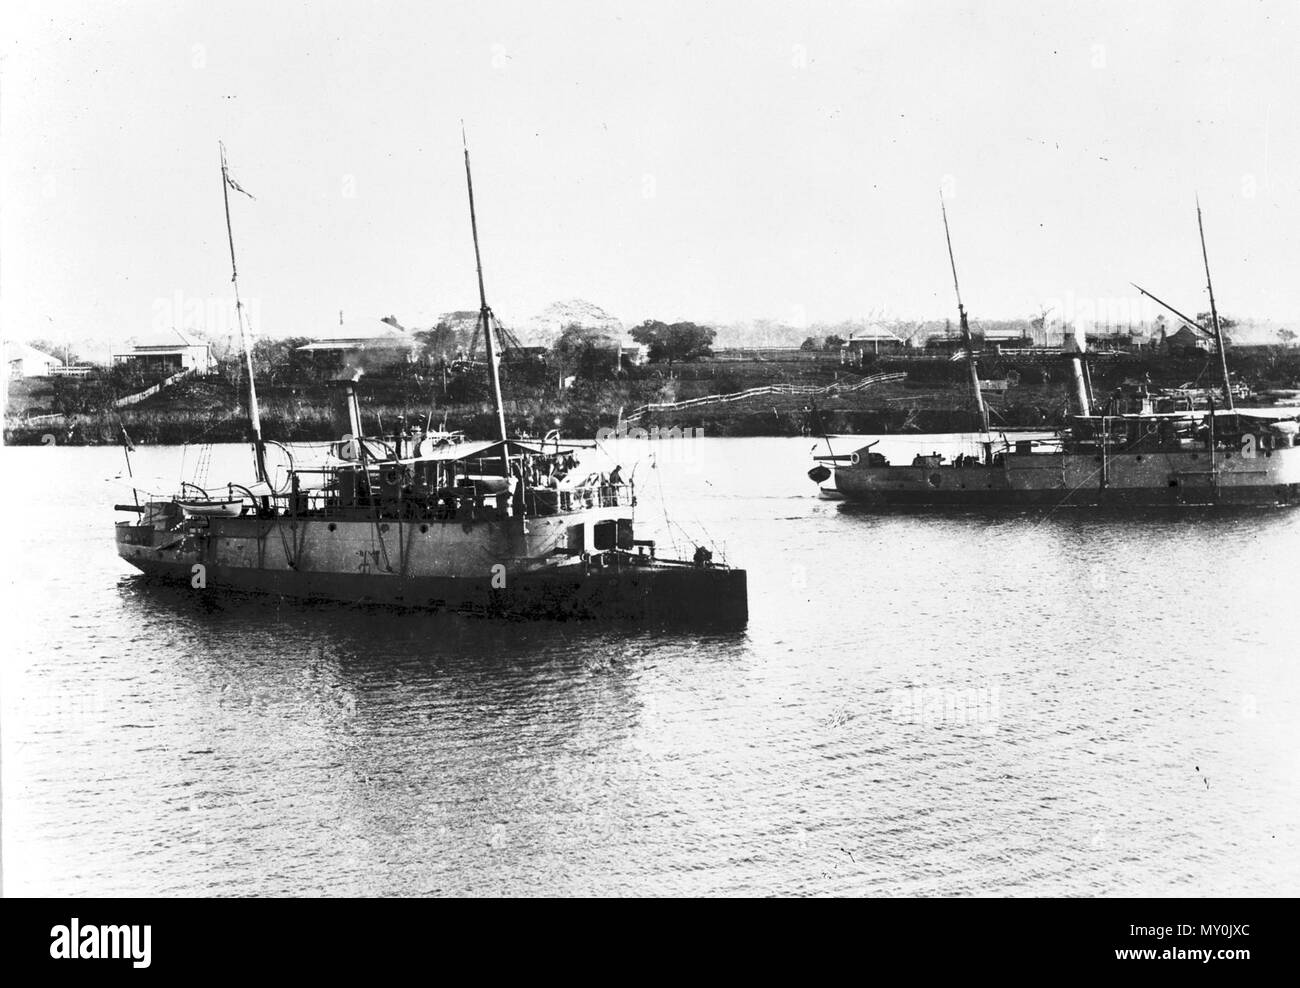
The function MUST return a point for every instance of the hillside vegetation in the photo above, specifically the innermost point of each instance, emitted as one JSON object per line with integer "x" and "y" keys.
{"x": 579, "y": 388}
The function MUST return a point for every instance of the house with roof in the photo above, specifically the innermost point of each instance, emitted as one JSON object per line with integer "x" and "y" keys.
{"x": 630, "y": 352}
{"x": 872, "y": 340}
{"x": 26, "y": 361}
{"x": 1188, "y": 342}
{"x": 169, "y": 353}
{"x": 362, "y": 345}
{"x": 1118, "y": 340}
{"x": 1014, "y": 337}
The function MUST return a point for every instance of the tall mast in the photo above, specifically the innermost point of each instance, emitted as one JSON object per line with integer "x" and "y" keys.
{"x": 1161, "y": 302}
{"x": 965, "y": 327}
{"x": 485, "y": 313}
{"x": 254, "y": 419}
{"x": 1214, "y": 313}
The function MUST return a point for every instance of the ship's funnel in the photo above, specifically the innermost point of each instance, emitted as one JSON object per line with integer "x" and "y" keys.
{"x": 347, "y": 411}
{"x": 1076, "y": 344}
{"x": 1076, "y": 341}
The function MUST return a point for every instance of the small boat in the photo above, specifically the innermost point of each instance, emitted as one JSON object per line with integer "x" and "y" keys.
{"x": 229, "y": 507}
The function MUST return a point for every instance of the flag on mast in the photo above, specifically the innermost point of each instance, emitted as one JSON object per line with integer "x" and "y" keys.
{"x": 236, "y": 186}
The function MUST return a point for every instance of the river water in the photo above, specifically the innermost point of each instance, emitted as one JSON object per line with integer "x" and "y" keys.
{"x": 1024, "y": 704}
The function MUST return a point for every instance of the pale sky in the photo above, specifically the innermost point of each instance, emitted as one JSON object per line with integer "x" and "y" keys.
{"x": 708, "y": 161}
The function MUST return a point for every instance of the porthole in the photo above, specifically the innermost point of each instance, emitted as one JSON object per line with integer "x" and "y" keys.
{"x": 423, "y": 529}
{"x": 332, "y": 526}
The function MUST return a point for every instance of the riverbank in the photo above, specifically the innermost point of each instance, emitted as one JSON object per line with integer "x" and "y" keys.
{"x": 932, "y": 411}
{"x": 763, "y": 399}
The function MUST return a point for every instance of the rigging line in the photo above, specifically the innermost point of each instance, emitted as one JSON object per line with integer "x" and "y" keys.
{"x": 204, "y": 465}
{"x": 668, "y": 524}
{"x": 708, "y": 536}
{"x": 290, "y": 558}
{"x": 1061, "y": 503}
{"x": 216, "y": 420}
{"x": 1082, "y": 484}
{"x": 403, "y": 546}
{"x": 377, "y": 535}
{"x": 663, "y": 506}
{"x": 297, "y": 539}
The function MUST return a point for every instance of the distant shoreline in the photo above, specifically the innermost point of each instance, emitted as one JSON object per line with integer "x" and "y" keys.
{"x": 164, "y": 429}
{"x": 756, "y": 398}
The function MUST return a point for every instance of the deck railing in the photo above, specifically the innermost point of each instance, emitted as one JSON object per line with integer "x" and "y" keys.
{"x": 443, "y": 504}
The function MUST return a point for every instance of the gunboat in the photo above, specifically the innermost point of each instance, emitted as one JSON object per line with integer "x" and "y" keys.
{"x": 505, "y": 527}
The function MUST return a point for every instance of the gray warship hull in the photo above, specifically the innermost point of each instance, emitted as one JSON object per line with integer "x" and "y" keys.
{"x": 402, "y": 566}
{"x": 1091, "y": 479}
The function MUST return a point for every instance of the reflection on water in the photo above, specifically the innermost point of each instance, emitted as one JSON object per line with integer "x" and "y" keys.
{"x": 959, "y": 704}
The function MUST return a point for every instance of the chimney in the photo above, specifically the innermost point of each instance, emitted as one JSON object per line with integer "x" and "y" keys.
{"x": 347, "y": 411}
{"x": 1075, "y": 345}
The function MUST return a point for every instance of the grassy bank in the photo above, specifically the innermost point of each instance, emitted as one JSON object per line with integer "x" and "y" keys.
{"x": 933, "y": 398}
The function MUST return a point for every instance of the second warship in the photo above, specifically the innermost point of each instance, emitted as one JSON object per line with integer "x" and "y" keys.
{"x": 1135, "y": 450}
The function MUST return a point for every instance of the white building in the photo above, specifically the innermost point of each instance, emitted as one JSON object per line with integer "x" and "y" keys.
{"x": 366, "y": 344}
{"x": 169, "y": 353}
{"x": 27, "y": 361}
{"x": 870, "y": 341}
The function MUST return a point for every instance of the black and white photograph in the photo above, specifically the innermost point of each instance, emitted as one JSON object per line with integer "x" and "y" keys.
{"x": 653, "y": 450}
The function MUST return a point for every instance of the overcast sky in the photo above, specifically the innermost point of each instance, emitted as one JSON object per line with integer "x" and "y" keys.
{"x": 716, "y": 162}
